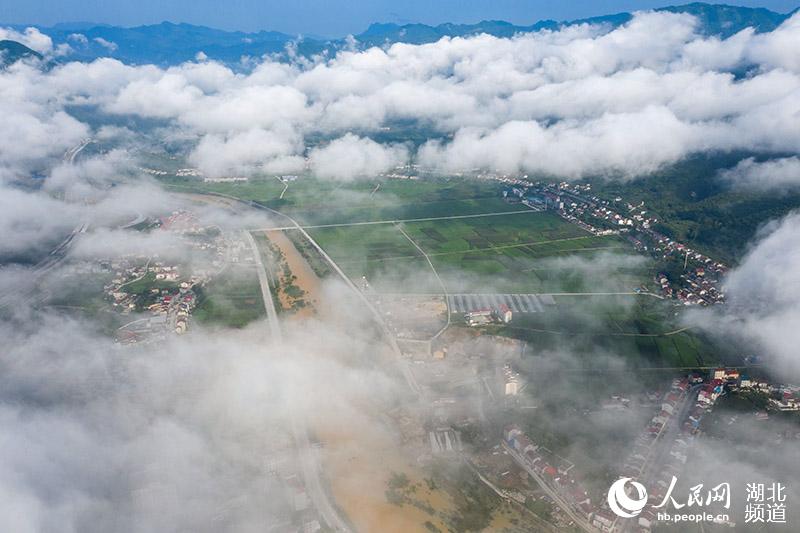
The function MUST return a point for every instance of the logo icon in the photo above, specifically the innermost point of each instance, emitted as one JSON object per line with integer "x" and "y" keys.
{"x": 623, "y": 505}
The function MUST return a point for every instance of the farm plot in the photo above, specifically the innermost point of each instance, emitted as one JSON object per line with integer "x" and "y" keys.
{"x": 525, "y": 253}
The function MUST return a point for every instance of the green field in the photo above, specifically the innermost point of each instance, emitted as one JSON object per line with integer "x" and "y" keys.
{"x": 527, "y": 252}
{"x": 512, "y": 253}
{"x": 313, "y": 201}
{"x": 640, "y": 329}
{"x": 232, "y": 299}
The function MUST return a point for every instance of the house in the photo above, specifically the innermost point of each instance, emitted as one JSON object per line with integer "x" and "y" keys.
{"x": 511, "y": 432}
{"x": 503, "y": 313}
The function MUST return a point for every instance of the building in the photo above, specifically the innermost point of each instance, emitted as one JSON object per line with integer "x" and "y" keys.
{"x": 503, "y": 313}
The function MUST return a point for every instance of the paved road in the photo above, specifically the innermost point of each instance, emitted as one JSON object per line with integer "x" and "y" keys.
{"x": 306, "y": 454}
{"x": 373, "y": 222}
{"x": 59, "y": 253}
{"x": 582, "y": 523}
{"x": 266, "y": 293}
{"x": 388, "y": 335}
{"x": 658, "y": 454}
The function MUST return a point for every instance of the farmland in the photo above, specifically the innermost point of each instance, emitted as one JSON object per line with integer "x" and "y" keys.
{"x": 526, "y": 252}
{"x": 507, "y": 249}
{"x": 636, "y": 328}
{"x": 313, "y": 201}
{"x": 230, "y": 300}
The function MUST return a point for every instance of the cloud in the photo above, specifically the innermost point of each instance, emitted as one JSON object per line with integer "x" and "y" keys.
{"x": 351, "y": 157}
{"x": 108, "y": 45}
{"x": 780, "y": 174}
{"x": 251, "y": 151}
{"x": 177, "y": 433}
{"x": 78, "y": 38}
{"x": 31, "y": 37}
{"x": 762, "y": 295}
{"x": 578, "y": 101}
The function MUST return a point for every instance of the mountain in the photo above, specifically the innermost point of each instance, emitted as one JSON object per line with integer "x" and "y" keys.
{"x": 12, "y": 51}
{"x": 165, "y": 43}
{"x": 715, "y": 19}
{"x": 168, "y": 43}
{"x": 724, "y": 21}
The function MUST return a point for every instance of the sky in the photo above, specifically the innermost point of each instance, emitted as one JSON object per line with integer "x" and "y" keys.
{"x": 330, "y": 18}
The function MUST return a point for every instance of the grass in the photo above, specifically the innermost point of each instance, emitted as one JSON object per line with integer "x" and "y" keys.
{"x": 312, "y": 201}
{"x": 233, "y": 299}
{"x": 506, "y": 253}
{"x": 636, "y": 329}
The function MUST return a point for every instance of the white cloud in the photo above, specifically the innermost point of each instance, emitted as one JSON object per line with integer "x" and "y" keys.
{"x": 568, "y": 102}
{"x": 351, "y": 157}
{"x": 78, "y": 38}
{"x": 31, "y": 37}
{"x": 763, "y": 292}
{"x": 247, "y": 152}
{"x": 108, "y": 45}
{"x": 774, "y": 174}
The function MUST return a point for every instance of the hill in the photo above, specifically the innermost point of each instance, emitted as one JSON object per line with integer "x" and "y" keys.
{"x": 715, "y": 19}
{"x": 168, "y": 43}
{"x": 12, "y": 51}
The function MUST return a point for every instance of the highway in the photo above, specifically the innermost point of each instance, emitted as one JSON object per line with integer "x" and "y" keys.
{"x": 388, "y": 335}
{"x": 306, "y": 454}
{"x": 59, "y": 253}
{"x": 266, "y": 293}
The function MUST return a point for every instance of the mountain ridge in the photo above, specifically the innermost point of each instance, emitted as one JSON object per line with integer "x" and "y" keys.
{"x": 169, "y": 43}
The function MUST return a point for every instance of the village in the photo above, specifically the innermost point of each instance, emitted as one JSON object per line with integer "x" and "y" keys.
{"x": 165, "y": 292}
{"x": 521, "y": 470}
{"x": 698, "y": 282}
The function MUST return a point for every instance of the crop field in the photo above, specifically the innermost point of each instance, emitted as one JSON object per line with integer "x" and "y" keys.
{"x": 510, "y": 253}
{"x": 526, "y": 252}
{"x": 233, "y": 299}
{"x": 311, "y": 201}
{"x": 381, "y": 254}
{"x": 635, "y": 328}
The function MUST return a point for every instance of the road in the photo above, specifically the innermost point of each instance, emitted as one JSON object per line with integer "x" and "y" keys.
{"x": 285, "y": 187}
{"x": 306, "y": 454}
{"x": 59, "y": 253}
{"x": 266, "y": 293}
{"x": 441, "y": 283}
{"x": 556, "y": 497}
{"x": 373, "y": 222}
{"x": 388, "y": 335}
{"x": 659, "y": 450}
{"x": 72, "y": 153}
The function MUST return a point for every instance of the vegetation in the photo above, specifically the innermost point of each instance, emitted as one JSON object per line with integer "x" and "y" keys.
{"x": 696, "y": 206}
{"x": 314, "y": 201}
{"x": 231, "y": 300}
{"x": 315, "y": 260}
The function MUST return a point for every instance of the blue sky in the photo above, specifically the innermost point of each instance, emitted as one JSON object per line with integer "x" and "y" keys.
{"x": 323, "y": 17}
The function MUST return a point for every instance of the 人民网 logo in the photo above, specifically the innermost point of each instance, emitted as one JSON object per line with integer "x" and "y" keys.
{"x": 623, "y": 505}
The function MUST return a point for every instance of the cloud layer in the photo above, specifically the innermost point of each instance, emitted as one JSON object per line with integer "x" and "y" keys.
{"x": 574, "y": 102}
{"x": 763, "y": 292}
